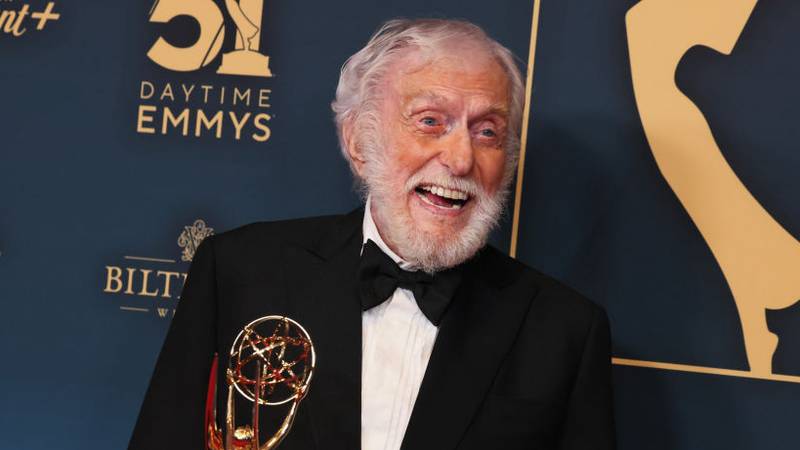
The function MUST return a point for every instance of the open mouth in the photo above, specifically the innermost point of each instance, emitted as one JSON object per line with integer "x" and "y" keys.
{"x": 442, "y": 197}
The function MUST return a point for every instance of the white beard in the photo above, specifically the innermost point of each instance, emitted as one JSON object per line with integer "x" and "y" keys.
{"x": 427, "y": 251}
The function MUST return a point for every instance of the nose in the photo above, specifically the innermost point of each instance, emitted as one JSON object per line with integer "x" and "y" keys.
{"x": 457, "y": 152}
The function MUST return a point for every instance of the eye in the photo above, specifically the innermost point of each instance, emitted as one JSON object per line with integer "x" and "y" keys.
{"x": 429, "y": 121}
{"x": 488, "y": 132}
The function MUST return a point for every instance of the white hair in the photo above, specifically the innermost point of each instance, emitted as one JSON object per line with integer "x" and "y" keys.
{"x": 357, "y": 94}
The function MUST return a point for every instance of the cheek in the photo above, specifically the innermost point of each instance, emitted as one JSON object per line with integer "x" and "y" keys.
{"x": 491, "y": 165}
{"x": 406, "y": 153}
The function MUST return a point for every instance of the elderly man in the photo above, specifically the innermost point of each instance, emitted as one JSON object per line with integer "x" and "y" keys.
{"x": 425, "y": 337}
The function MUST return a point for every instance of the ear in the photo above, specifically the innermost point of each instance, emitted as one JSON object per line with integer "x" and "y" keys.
{"x": 349, "y": 138}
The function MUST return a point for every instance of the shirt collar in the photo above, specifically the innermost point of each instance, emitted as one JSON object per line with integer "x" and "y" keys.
{"x": 370, "y": 231}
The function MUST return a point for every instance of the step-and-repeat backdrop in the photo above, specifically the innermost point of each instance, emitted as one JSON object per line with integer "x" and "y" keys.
{"x": 659, "y": 179}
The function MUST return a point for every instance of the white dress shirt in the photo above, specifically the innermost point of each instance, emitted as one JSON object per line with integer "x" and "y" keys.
{"x": 397, "y": 340}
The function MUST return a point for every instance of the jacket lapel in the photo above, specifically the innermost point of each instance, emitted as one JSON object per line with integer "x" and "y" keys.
{"x": 321, "y": 286}
{"x": 474, "y": 336}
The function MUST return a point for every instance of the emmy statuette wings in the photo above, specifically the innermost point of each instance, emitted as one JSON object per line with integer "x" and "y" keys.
{"x": 271, "y": 363}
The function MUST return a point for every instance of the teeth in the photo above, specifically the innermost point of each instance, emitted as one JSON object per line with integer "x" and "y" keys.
{"x": 425, "y": 199}
{"x": 446, "y": 193}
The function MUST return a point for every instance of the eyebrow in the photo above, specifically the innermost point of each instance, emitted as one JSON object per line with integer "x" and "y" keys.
{"x": 425, "y": 96}
{"x": 497, "y": 109}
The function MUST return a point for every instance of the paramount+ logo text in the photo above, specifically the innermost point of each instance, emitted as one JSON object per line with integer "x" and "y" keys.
{"x": 16, "y": 18}
{"x": 216, "y": 108}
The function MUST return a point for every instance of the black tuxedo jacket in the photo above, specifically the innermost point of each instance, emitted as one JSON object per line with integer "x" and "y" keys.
{"x": 520, "y": 361}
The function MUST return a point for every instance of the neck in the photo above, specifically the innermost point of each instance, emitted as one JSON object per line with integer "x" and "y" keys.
{"x": 377, "y": 219}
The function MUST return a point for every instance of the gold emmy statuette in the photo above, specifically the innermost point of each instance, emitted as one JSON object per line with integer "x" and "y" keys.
{"x": 271, "y": 363}
{"x": 246, "y": 59}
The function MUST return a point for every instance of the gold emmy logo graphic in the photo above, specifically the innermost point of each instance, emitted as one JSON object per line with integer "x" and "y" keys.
{"x": 191, "y": 237}
{"x": 203, "y": 110}
{"x": 758, "y": 257}
{"x": 245, "y": 59}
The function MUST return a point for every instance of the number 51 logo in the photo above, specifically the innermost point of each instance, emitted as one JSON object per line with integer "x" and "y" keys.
{"x": 245, "y": 59}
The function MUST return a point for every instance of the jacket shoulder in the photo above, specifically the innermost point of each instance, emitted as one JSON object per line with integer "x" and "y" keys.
{"x": 252, "y": 251}
{"x": 256, "y": 234}
{"x": 550, "y": 295}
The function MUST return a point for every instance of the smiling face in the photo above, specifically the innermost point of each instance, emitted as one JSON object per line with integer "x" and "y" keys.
{"x": 436, "y": 181}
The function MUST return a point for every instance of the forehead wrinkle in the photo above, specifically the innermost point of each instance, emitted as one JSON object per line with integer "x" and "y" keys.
{"x": 426, "y": 96}
{"x": 481, "y": 108}
{"x": 432, "y": 83}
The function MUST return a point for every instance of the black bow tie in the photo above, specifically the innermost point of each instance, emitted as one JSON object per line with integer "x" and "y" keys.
{"x": 379, "y": 276}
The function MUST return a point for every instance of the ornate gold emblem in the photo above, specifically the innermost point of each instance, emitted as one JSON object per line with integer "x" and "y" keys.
{"x": 192, "y": 236}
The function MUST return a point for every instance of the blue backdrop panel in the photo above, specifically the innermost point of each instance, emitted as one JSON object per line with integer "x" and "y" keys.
{"x": 91, "y": 209}
{"x": 598, "y": 214}
{"x": 102, "y": 199}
